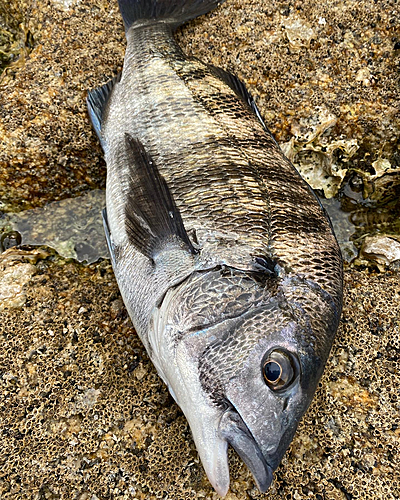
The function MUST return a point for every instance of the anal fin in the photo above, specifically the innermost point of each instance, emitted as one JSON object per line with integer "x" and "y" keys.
{"x": 152, "y": 217}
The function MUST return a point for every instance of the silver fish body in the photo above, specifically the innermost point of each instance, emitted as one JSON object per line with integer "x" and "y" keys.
{"x": 226, "y": 261}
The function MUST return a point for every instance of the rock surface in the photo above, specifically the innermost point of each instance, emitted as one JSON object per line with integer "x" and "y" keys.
{"x": 84, "y": 414}
{"x": 302, "y": 61}
{"x": 73, "y": 226}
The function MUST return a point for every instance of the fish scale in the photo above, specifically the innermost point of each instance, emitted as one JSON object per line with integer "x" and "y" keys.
{"x": 231, "y": 146}
{"x": 224, "y": 257}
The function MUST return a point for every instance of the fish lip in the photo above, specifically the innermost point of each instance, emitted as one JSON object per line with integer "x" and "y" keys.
{"x": 235, "y": 431}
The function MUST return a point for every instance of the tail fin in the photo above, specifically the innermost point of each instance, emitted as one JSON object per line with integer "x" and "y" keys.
{"x": 175, "y": 12}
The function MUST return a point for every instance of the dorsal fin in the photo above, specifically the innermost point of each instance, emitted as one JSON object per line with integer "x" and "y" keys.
{"x": 240, "y": 90}
{"x": 152, "y": 217}
{"x": 233, "y": 82}
{"x": 97, "y": 101}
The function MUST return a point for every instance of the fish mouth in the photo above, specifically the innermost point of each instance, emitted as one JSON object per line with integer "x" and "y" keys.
{"x": 234, "y": 430}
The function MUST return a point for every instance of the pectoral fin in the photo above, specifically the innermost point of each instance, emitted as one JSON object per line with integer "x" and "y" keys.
{"x": 152, "y": 217}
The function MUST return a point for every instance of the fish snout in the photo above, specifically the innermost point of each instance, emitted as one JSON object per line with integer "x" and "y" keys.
{"x": 238, "y": 435}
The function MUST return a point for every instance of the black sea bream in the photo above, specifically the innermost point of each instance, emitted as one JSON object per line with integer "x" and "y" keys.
{"x": 225, "y": 259}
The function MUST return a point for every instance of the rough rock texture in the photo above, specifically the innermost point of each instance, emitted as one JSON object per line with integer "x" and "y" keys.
{"x": 303, "y": 61}
{"x": 85, "y": 416}
{"x": 48, "y": 150}
{"x": 83, "y": 413}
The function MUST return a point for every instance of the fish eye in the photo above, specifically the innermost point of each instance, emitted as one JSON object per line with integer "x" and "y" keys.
{"x": 280, "y": 369}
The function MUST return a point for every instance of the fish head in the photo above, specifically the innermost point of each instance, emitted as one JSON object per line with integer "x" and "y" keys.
{"x": 263, "y": 386}
{"x": 247, "y": 381}
{"x": 267, "y": 396}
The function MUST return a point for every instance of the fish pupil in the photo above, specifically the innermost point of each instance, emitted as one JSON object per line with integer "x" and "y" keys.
{"x": 272, "y": 371}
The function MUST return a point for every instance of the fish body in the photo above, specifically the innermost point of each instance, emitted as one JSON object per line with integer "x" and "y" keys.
{"x": 224, "y": 257}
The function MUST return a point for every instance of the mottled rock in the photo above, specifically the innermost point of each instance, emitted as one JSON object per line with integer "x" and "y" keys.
{"x": 84, "y": 414}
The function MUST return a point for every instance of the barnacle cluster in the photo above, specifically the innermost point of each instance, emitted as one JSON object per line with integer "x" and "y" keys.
{"x": 86, "y": 416}
{"x": 16, "y": 40}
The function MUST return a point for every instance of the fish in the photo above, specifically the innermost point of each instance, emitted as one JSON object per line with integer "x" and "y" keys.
{"x": 225, "y": 259}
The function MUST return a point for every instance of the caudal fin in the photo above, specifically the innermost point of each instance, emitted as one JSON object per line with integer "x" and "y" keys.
{"x": 175, "y": 12}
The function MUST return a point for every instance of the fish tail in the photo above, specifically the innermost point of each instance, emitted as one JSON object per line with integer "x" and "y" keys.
{"x": 174, "y": 12}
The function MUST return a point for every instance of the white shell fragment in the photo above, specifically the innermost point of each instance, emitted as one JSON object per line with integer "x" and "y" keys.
{"x": 13, "y": 277}
{"x": 381, "y": 167}
{"x": 315, "y": 155}
{"x": 381, "y": 248}
{"x": 299, "y": 32}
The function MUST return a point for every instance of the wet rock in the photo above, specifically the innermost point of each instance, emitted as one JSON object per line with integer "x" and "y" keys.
{"x": 72, "y": 227}
{"x": 10, "y": 239}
